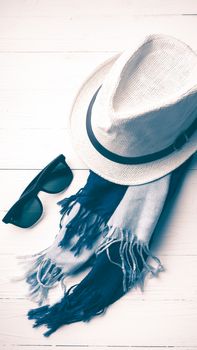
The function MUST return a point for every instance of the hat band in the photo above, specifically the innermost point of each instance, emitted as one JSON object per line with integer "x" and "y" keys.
{"x": 176, "y": 146}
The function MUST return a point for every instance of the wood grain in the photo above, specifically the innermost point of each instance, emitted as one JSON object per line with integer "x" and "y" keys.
{"x": 126, "y": 322}
{"x": 47, "y": 49}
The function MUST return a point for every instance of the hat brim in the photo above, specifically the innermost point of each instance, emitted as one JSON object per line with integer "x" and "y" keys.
{"x": 115, "y": 172}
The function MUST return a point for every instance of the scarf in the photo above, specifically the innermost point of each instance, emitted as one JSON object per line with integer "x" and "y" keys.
{"x": 122, "y": 254}
{"x": 83, "y": 223}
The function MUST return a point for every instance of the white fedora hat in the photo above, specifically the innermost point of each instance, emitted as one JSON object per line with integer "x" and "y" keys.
{"x": 135, "y": 118}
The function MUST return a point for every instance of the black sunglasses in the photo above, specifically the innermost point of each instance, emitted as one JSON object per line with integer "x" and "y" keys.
{"x": 54, "y": 178}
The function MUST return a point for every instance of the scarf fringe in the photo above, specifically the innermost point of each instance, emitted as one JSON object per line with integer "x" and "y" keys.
{"x": 67, "y": 203}
{"x": 83, "y": 230}
{"x": 133, "y": 254}
{"x": 68, "y": 310}
{"x": 86, "y": 225}
{"x": 84, "y": 301}
{"x": 42, "y": 275}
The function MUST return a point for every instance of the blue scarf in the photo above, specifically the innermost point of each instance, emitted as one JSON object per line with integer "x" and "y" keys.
{"x": 122, "y": 253}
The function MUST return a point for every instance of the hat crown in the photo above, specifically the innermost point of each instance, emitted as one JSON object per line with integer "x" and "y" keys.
{"x": 147, "y": 98}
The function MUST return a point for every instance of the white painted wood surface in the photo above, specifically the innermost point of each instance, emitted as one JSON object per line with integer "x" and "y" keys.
{"x": 47, "y": 48}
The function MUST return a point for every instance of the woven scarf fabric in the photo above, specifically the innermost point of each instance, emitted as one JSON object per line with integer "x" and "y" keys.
{"x": 132, "y": 224}
{"x": 83, "y": 223}
{"x": 123, "y": 255}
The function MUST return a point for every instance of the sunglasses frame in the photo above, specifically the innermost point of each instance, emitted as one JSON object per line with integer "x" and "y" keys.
{"x": 35, "y": 186}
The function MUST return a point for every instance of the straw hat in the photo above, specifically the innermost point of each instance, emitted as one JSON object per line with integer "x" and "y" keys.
{"x": 135, "y": 118}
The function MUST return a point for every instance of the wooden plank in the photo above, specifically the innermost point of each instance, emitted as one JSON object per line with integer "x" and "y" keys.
{"x": 26, "y": 149}
{"x": 126, "y": 323}
{"x": 107, "y": 347}
{"x": 61, "y": 8}
{"x": 177, "y": 283}
{"x": 34, "y": 148}
{"x": 41, "y": 34}
{"x": 175, "y": 234}
{"x": 92, "y": 347}
{"x": 37, "y": 90}
{"x": 17, "y": 180}
{"x": 46, "y": 72}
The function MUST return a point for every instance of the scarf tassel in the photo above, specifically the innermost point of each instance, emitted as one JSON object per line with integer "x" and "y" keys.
{"x": 42, "y": 275}
{"x": 125, "y": 265}
{"x": 133, "y": 257}
{"x": 82, "y": 231}
{"x": 87, "y": 226}
{"x": 86, "y": 305}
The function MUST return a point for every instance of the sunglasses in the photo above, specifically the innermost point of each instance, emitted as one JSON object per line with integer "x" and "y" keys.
{"x": 54, "y": 178}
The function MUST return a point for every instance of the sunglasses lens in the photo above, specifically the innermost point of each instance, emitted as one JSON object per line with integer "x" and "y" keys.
{"x": 59, "y": 179}
{"x": 26, "y": 214}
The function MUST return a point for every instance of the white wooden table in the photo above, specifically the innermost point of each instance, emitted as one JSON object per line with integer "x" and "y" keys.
{"x": 47, "y": 48}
